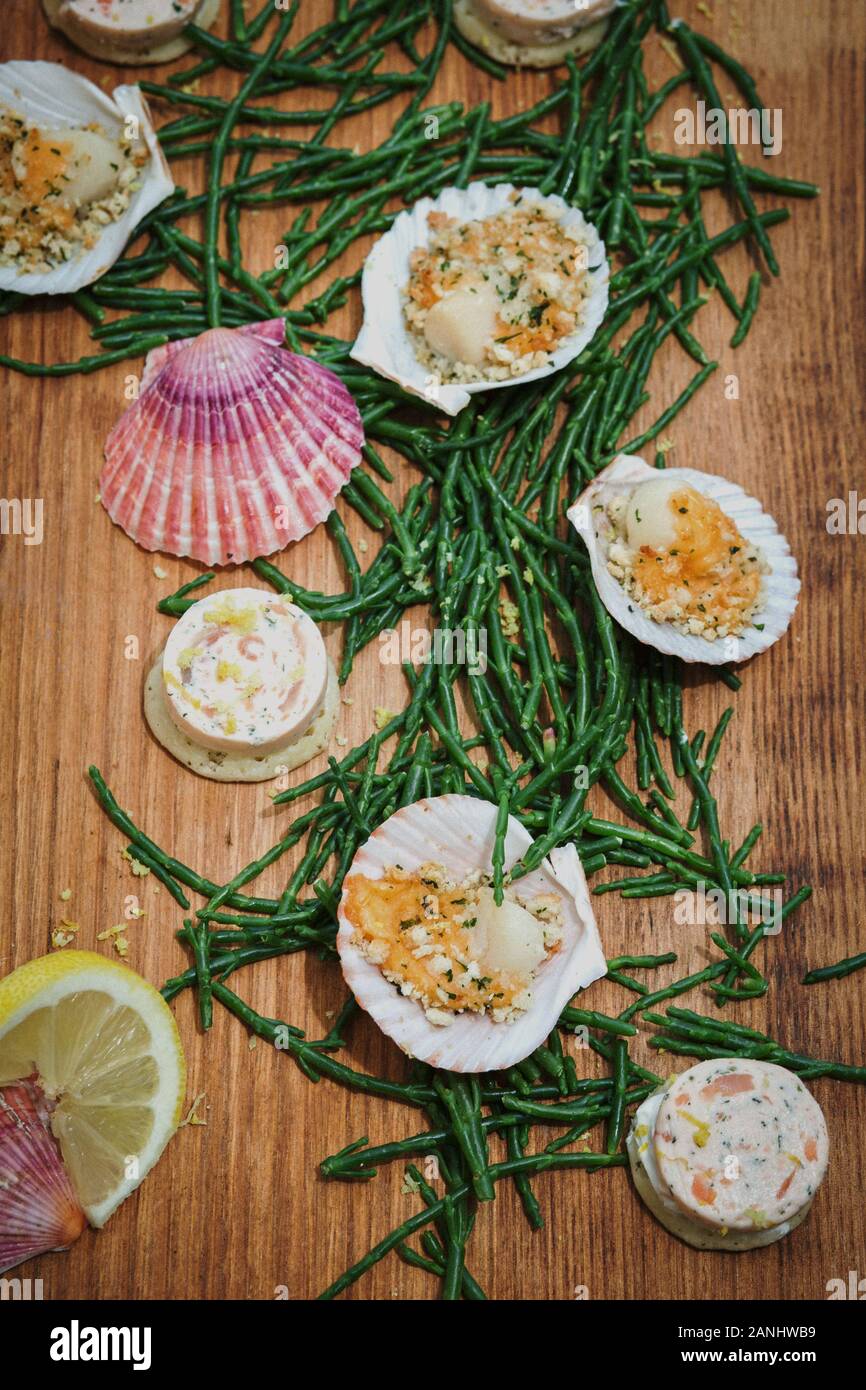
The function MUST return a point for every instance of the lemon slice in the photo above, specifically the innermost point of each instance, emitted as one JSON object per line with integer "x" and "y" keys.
{"x": 107, "y": 1050}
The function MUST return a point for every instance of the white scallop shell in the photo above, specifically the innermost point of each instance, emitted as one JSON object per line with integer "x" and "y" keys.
{"x": 384, "y": 342}
{"x": 459, "y": 832}
{"x": 779, "y": 588}
{"x": 51, "y": 95}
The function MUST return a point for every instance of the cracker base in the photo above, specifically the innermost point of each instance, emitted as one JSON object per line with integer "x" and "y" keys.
{"x": 129, "y": 57}
{"x": 232, "y": 767}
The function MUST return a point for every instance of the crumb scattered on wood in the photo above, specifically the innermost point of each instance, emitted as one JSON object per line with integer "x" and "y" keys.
{"x": 193, "y": 1117}
{"x": 64, "y": 934}
{"x": 139, "y": 870}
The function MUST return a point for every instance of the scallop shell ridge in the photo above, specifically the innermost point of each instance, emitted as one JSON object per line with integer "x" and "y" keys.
{"x": 234, "y": 448}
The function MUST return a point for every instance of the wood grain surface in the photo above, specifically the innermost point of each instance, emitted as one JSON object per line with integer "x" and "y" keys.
{"x": 236, "y": 1209}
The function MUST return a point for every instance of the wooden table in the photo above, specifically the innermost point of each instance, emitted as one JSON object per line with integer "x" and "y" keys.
{"x": 236, "y": 1209}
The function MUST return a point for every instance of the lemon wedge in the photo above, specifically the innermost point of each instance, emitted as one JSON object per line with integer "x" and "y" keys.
{"x": 107, "y": 1050}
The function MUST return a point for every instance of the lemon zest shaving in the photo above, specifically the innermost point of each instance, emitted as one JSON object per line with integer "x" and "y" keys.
{"x": 757, "y": 1218}
{"x": 702, "y": 1129}
{"x": 171, "y": 679}
{"x": 244, "y": 619}
{"x": 193, "y": 1117}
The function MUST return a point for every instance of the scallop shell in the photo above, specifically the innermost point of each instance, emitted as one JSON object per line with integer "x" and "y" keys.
{"x": 57, "y": 98}
{"x": 234, "y": 448}
{"x": 39, "y": 1210}
{"x": 384, "y": 342}
{"x": 780, "y": 587}
{"x": 459, "y": 832}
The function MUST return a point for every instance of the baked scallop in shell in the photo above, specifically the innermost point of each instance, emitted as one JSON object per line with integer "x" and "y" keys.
{"x": 479, "y": 288}
{"x": 685, "y": 561}
{"x": 452, "y": 978}
{"x": 79, "y": 171}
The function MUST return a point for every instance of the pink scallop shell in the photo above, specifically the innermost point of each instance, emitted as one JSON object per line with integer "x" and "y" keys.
{"x": 234, "y": 448}
{"x": 39, "y": 1210}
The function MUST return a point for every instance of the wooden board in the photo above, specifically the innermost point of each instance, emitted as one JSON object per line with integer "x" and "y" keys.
{"x": 236, "y": 1209}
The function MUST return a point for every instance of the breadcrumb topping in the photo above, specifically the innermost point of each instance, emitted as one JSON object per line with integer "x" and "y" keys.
{"x": 425, "y": 931}
{"x": 522, "y": 261}
{"x": 42, "y": 222}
